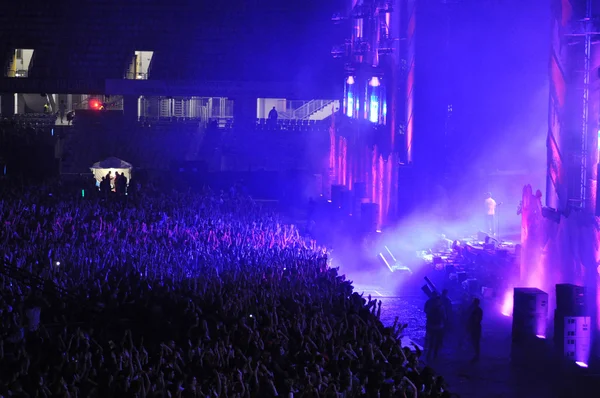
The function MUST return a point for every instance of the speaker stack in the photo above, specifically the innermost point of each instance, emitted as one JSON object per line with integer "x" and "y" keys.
{"x": 369, "y": 214}
{"x": 346, "y": 201}
{"x": 337, "y": 194}
{"x": 530, "y": 316}
{"x": 359, "y": 197}
{"x": 572, "y": 324}
{"x": 360, "y": 190}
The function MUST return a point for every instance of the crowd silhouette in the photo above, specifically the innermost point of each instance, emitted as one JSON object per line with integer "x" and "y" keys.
{"x": 184, "y": 295}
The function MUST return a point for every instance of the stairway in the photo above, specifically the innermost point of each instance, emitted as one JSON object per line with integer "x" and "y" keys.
{"x": 179, "y": 108}
{"x": 165, "y": 108}
{"x": 314, "y": 110}
{"x": 326, "y": 111}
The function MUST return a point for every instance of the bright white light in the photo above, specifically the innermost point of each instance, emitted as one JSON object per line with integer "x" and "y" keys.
{"x": 385, "y": 261}
{"x": 350, "y": 80}
{"x": 374, "y": 109}
{"x": 540, "y": 336}
{"x": 350, "y": 109}
{"x": 581, "y": 364}
{"x": 388, "y": 250}
{"x": 374, "y": 82}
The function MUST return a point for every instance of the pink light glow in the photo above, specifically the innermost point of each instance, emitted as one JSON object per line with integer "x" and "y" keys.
{"x": 598, "y": 302}
{"x": 540, "y": 336}
{"x": 344, "y": 162}
{"x": 351, "y": 159}
{"x": 338, "y": 173}
{"x": 507, "y": 303}
{"x": 388, "y": 185}
{"x": 380, "y": 184}
{"x": 332, "y": 149}
{"x": 581, "y": 364}
{"x": 374, "y": 175}
{"x": 366, "y": 170}
{"x": 409, "y": 105}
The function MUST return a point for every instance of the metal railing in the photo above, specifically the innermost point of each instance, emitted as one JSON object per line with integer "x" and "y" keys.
{"x": 309, "y": 108}
{"x": 17, "y": 73}
{"x": 136, "y": 76}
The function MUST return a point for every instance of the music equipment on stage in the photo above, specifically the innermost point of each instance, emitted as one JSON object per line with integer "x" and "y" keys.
{"x": 572, "y": 324}
{"x": 481, "y": 236}
{"x": 598, "y": 185}
{"x": 369, "y": 217}
{"x": 336, "y": 194}
{"x": 573, "y": 337}
{"x": 530, "y": 314}
{"x": 571, "y": 300}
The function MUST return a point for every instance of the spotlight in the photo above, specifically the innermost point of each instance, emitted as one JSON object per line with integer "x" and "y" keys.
{"x": 374, "y": 82}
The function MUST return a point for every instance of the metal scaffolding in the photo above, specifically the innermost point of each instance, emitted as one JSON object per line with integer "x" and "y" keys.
{"x": 573, "y": 129}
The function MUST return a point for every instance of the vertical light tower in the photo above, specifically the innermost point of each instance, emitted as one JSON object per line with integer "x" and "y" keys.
{"x": 374, "y": 99}
{"x": 574, "y": 102}
{"x": 572, "y": 252}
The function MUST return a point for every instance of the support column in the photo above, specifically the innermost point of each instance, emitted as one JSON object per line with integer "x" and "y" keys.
{"x": 244, "y": 111}
{"x": 130, "y": 108}
{"x": 7, "y": 104}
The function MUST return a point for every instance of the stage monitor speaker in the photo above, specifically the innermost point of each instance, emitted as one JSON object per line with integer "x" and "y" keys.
{"x": 336, "y": 194}
{"x": 360, "y": 190}
{"x": 598, "y": 185}
{"x": 369, "y": 215}
{"x": 346, "y": 201}
{"x": 530, "y": 314}
{"x": 530, "y": 301}
{"x": 527, "y": 327}
{"x": 573, "y": 337}
{"x": 570, "y": 300}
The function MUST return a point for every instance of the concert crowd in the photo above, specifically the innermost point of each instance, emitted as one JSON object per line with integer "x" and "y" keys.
{"x": 184, "y": 295}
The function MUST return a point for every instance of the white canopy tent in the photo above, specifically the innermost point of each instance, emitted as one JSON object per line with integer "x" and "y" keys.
{"x": 112, "y": 165}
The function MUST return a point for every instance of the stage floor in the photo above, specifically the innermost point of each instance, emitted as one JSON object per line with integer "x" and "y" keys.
{"x": 494, "y": 375}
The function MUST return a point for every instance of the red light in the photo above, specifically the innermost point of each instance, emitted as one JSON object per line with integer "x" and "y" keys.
{"x": 94, "y": 104}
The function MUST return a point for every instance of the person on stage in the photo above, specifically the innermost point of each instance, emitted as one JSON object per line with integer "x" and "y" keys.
{"x": 490, "y": 209}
